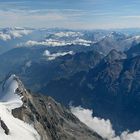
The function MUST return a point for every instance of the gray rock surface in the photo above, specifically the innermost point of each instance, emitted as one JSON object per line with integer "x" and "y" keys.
{"x": 51, "y": 120}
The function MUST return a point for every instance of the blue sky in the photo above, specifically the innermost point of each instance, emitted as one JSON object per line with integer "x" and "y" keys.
{"x": 76, "y": 14}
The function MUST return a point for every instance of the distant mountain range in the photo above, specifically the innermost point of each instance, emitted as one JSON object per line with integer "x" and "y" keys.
{"x": 101, "y": 40}
{"x": 100, "y": 71}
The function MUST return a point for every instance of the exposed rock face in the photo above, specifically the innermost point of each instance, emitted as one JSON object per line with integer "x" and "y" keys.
{"x": 51, "y": 120}
{"x": 41, "y": 72}
{"x": 4, "y": 126}
{"x": 114, "y": 40}
{"x": 115, "y": 55}
{"x": 110, "y": 87}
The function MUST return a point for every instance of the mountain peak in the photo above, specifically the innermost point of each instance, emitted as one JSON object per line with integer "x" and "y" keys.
{"x": 10, "y": 91}
{"x": 11, "y": 98}
{"x": 37, "y": 116}
{"x": 52, "y": 120}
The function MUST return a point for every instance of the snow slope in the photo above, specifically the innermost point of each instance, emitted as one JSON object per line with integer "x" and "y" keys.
{"x": 8, "y": 91}
{"x": 19, "y": 130}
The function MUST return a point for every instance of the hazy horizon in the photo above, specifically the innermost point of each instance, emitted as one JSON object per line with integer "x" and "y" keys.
{"x": 82, "y": 14}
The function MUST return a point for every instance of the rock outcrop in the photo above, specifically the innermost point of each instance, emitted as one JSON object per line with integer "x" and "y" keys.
{"x": 51, "y": 120}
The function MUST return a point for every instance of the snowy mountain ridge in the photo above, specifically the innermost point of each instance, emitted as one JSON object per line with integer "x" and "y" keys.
{"x": 11, "y": 99}
{"x": 24, "y": 115}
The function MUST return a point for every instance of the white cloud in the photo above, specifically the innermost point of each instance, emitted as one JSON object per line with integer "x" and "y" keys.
{"x": 37, "y": 18}
{"x": 4, "y": 37}
{"x": 19, "y": 33}
{"x": 13, "y": 33}
{"x": 131, "y": 17}
{"x": 101, "y": 126}
{"x": 82, "y": 42}
{"x": 55, "y": 55}
{"x": 64, "y": 18}
{"x": 60, "y": 41}
{"x": 69, "y": 14}
{"x": 130, "y": 136}
{"x": 47, "y": 42}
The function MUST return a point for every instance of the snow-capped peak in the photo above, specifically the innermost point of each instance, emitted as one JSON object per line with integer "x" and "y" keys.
{"x": 8, "y": 90}
{"x": 10, "y": 99}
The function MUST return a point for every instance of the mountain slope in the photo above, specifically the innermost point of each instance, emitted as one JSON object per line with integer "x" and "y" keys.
{"x": 10, "y": 127}
{"x": 112, "y": 86}
{"x": 37, "y": 117}
{"x": 116, "y": 40}
{"x": 35, "y": 70}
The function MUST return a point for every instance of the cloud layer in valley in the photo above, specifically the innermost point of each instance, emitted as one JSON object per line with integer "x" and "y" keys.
{"x": 101, "y": 126}
{"x": 55, "y": 55}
